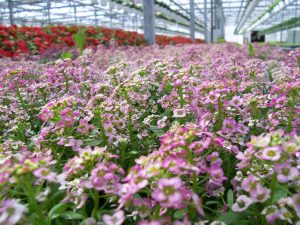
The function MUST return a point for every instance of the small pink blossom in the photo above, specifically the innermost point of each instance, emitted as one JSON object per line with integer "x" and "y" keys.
{"x": 168, "y": 192}
{"x": 116, "y": 219}
{"x": 242, "y": 203}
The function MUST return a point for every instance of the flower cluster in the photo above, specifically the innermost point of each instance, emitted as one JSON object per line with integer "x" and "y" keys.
{"x": 193, "y": 134}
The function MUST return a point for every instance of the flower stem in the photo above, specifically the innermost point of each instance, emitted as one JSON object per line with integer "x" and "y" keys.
{"x": 291, "y": 115}
{"x": 180, "y": 92}
{"x": 96, "y": 204}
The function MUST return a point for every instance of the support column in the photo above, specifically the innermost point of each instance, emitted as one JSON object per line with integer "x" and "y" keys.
{"x": 48, "y": 11}
{"x": 110, "y": 15}
{"x": 11, "y": 15}
{"x": 149, "y": 21}
{"x": 211, "y": 20}
{"x": 205, "y": 22}
{"x": 192, "y": 20}
{"x": 95, "y": 16}
{"x": 281, "y": 31}
{"x": 123, "y": 20}
{"x": 75, "y": 13}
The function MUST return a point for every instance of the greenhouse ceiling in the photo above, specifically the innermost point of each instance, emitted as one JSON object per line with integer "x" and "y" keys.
{"x": 172, "y": 16}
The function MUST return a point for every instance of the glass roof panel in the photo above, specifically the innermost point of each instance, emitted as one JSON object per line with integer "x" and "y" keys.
{"x": 171, "y": 15}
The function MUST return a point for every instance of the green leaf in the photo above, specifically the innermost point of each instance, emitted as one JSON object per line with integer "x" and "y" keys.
{"x": 211, "y": 202}
{"x": 251, "y": 50}
{"x": 69, "y": 215}
{"x": 157, "y": 131}
{"x": 66, "y": 55}
{"x": 179, "y": 214}
{"x": 57, "y": 210}
{"x": 133, "y": 152}
{"x": 230, "y": 197}
{"x": 229, "y": 217}
{"x": 241, "y": 222}
{"x": 279, "y": 193}
{"x": 94, "y": 143}
{"x": 79, "y": 39}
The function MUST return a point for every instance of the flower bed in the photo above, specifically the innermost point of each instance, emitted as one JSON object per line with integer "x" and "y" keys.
{"x": 197, "y": 134}
{"x": 17, "y": 40}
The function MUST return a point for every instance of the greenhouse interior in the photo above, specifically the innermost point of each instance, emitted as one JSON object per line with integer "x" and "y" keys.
{"x": 149, "y": 112}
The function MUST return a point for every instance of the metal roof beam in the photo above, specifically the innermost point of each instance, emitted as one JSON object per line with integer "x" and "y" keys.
{"x": 248, "y": 11}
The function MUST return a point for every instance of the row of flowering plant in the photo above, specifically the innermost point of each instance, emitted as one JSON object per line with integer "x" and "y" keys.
{"x": 183, "y": 135}
{"x": 17, "y": 40}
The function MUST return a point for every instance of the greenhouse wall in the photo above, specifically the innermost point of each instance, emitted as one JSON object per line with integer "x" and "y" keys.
{"x": 289, "y": 36}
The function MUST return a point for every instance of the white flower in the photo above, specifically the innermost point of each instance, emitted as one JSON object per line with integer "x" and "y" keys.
{"x": 11, "y": 212}
{"x": 179, "y": 113}
{"x": 241, "y": 204}
{"x": 216, "y": 222}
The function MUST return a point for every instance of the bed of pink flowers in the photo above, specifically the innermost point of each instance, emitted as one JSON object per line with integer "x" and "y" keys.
{"x": 183, "y": 135}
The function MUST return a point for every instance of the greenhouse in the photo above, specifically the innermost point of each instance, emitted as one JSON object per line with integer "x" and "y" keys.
{"x": 149, "y": 112}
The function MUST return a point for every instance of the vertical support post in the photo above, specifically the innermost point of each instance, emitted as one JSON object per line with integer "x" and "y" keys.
{"x": 217, "y": 20}
{"x": 220, "y": 19}
{"x": 75, "y": 13}
{"x": 133, "y": 23}
{"x": 149, "y": 22}
{"x": 95, "y": 16}
{"x": 192, "y": 20}
{"x": 281, "y": 31}
{"x": 11, "y": 16}
{"x": 211, "y": 20}
{"x": 123, "y": 20}
{"x": 48, "y": 11}
{"x": 136, "y": 23}
{"x": 205, "y": 21}
{"x": 110, "y": 15}
{"x": 223, "y": 20}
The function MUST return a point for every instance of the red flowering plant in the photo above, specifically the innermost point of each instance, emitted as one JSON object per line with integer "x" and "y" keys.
{"x": 36, "y": 40}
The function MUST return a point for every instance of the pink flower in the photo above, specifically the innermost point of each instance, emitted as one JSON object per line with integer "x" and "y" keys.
{"x": 296, "y": 202}
{"x": 216, "y": 174}
{"x": 162, "y": 122}
{"x": 46, "y": 115}
{"x": 242, "y": 203}
{"x": 174, "y": 164}
{"x": 260, "y": 193}
{"x": 236, "y": 101}
{"x": 272, "y": 213}
{"x": 11, "y": 212}
{"x": 44, "y": 173}
{"x": 117, "y": 219}
{"x": 84, "y": 126}
{"x": 249, "y": 183}
{"x": 280, "y": 102}
{"x": 179, "y": 113}
{"x": 213, "y": 97}
{"x": 168, "y": 192}
{"x": 285, "y": 172}
{"x": 271, "y": 153}
{"x": 241, "y": 128}
{"x": 229, "y": 126}
{"x": 103, "y": 177}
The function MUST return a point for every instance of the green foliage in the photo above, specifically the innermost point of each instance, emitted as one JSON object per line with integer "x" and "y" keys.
{"x": 294, "y": 22}
{"x": 230, "y": 197}
{"x": 230, "y": 218}
{"x": 57, "y": 210}
{"x": 79, "y": 39}
{"x": 221, "y": 40}
{"x": 251, "y": 50}
{"x": 66, "y": 55}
